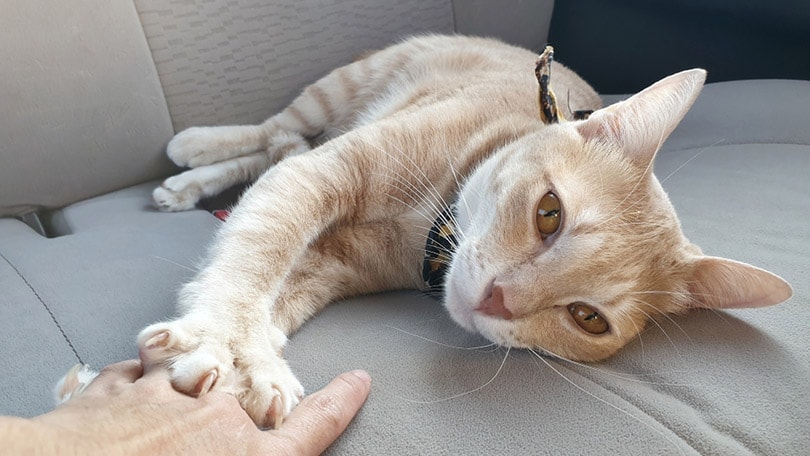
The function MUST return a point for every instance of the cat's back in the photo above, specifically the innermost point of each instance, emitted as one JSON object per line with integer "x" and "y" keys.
{"x": 428, "y": 68}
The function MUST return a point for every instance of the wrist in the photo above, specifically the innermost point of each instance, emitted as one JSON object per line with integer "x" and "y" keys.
{"x": 26, "y": 436}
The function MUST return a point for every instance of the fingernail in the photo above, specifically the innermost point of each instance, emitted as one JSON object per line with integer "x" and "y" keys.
{"x": 362, "y": 375}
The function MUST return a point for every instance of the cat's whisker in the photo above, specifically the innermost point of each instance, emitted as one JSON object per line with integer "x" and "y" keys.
{"x": 462, "y": 199}
{"x": 456, "y": 396}
{"x": 455, "y": 347}
{"x": 410, "y": 188}
{"x": 603, "y": 401}
{"x": 642, "y": 177}
{"x": 663, "y": 331}
{"x": 624, "y": 315}
{"x": 667, "y": 316}
{"x": 431, "y": 211}
{"x": 424, "y": 180}
{"x": 719, "y": 314}
{"x": 410, "y": 206}
{"x": 430, "y": 217}
{"x": 660, "y": 292}
{"x": 620, "y": 375}
{"x": 425, "y": 183}
{"x": 693, "y": 157}
{"x": 175, "y": 263}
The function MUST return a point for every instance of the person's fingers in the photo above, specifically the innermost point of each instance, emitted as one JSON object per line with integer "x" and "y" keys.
{"x": 155, "y": 372}
{"x": 112, "y": 377}
{"x": 118, "y": 373}
{"x": 322, "y": 416}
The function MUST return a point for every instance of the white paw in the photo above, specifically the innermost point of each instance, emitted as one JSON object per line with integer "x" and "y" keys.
{"x": 176, "y": 194}
{"x": 202, "y": 359}
{"x": 193, "y": 147}
{"x": 73, "y": 383}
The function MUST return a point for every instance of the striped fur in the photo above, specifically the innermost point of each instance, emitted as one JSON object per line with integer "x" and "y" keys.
{"x": 398, "y": 135}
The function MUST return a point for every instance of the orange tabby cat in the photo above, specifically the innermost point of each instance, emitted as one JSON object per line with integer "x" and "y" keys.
{"x": 564, "y": 240}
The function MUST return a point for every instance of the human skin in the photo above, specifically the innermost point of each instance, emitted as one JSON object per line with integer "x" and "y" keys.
{"x": 128, "y": 411}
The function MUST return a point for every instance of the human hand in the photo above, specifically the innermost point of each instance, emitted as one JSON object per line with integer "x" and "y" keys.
{"x": 127, "y": 411}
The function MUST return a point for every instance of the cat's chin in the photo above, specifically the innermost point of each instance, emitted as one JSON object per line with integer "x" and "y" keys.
{"x": 456, "y": 302}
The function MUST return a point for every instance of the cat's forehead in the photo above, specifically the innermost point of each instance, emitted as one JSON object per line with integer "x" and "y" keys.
{"x": 588, "y": 175}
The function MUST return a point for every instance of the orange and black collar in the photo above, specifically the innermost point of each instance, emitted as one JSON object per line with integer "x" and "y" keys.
{"x": 439, "y": 248}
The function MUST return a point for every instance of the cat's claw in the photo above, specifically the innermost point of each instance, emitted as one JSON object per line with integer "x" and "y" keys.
{"x": 200, "y": 361}
{"x": 204, "y": 385}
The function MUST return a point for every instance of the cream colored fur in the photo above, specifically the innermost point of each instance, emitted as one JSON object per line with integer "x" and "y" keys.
{"x": 406, "y": 131}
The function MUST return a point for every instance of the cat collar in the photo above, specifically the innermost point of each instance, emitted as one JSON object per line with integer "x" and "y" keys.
{"x": 441, "y": 242}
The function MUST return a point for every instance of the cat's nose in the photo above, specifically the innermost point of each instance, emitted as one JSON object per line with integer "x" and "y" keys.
{"x": 493, "y": 305}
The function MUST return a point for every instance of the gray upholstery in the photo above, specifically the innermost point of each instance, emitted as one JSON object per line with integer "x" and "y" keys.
{"x": 71, "y": 73}
{"x": 730, "y": 382}
{"x": 240, "y": 62}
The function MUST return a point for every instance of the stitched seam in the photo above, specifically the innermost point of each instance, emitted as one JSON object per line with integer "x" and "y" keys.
{"x": 631, "y": 405}
{"x": 45, "y": 306}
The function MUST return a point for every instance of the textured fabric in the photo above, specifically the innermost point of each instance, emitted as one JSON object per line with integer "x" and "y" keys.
{"x": 31, "y": 342}
{"x": 115, "y": 271}
{"x": 60, "y": 142}
{"x": 517, "y": 22}
{"x": 732, "y": 382}
{"x": 239, "y": 62}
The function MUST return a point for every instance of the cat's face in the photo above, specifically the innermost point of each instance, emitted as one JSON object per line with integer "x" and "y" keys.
{"x": 569, "y": 245}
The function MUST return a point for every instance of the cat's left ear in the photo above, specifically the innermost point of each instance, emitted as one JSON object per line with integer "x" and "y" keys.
{"x": 640, "y": 124}
{"x": 719, "y": 283}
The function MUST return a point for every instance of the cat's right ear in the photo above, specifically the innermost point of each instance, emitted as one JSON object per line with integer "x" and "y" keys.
{"x": 640, "y": 124}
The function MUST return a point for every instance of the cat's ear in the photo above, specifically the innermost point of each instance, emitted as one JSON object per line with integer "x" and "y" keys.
{"x": 640, "y": 124}
{"x": 719, "y": 283}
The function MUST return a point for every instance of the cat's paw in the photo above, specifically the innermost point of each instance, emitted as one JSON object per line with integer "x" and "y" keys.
{"x": 202, "y": 359}
{"x": 201, "y": 146}
{"x": 73, "y": 383}
{"x": 177, "y": 193}
{"x": 193, "y": 147}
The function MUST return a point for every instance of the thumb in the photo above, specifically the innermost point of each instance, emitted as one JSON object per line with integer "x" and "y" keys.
{"x": 322, "y": 416}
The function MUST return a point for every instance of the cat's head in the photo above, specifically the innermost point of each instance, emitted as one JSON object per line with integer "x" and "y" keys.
{"x": 569, "y": 244}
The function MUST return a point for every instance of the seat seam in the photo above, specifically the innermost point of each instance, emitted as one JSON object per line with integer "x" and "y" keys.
{"x": 45, "y": 306}
{"x": 629, "y": 403}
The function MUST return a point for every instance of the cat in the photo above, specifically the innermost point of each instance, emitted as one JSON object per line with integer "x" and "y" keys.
{"x": 562, "y": 240}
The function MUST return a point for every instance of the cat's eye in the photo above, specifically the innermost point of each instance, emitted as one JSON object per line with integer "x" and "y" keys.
{"x": 588, "y": 318}
{"x": 549, "y": 215}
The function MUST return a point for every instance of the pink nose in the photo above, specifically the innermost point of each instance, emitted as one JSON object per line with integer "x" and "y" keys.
{"x": 494, "y": 306}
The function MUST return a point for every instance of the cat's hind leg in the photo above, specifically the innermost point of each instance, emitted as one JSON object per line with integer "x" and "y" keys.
{"x": 246, "y": 151}
{"x": 327, "y": 106}
{"x": 183, "y": 191}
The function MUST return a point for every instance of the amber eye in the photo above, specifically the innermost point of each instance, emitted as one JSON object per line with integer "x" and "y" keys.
{"x": 588, "y": 318}
{"x": 549, "y": 215}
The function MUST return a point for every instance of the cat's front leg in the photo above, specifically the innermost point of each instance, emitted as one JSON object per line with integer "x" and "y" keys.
{"x": 204, "y": 353}
{"x": 226, "y": 339}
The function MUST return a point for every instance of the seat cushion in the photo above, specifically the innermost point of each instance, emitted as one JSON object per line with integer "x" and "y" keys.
{"x": 78, "y": 83}
{"x": 84, "y": 295}
{"x": 726, "y": 382}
